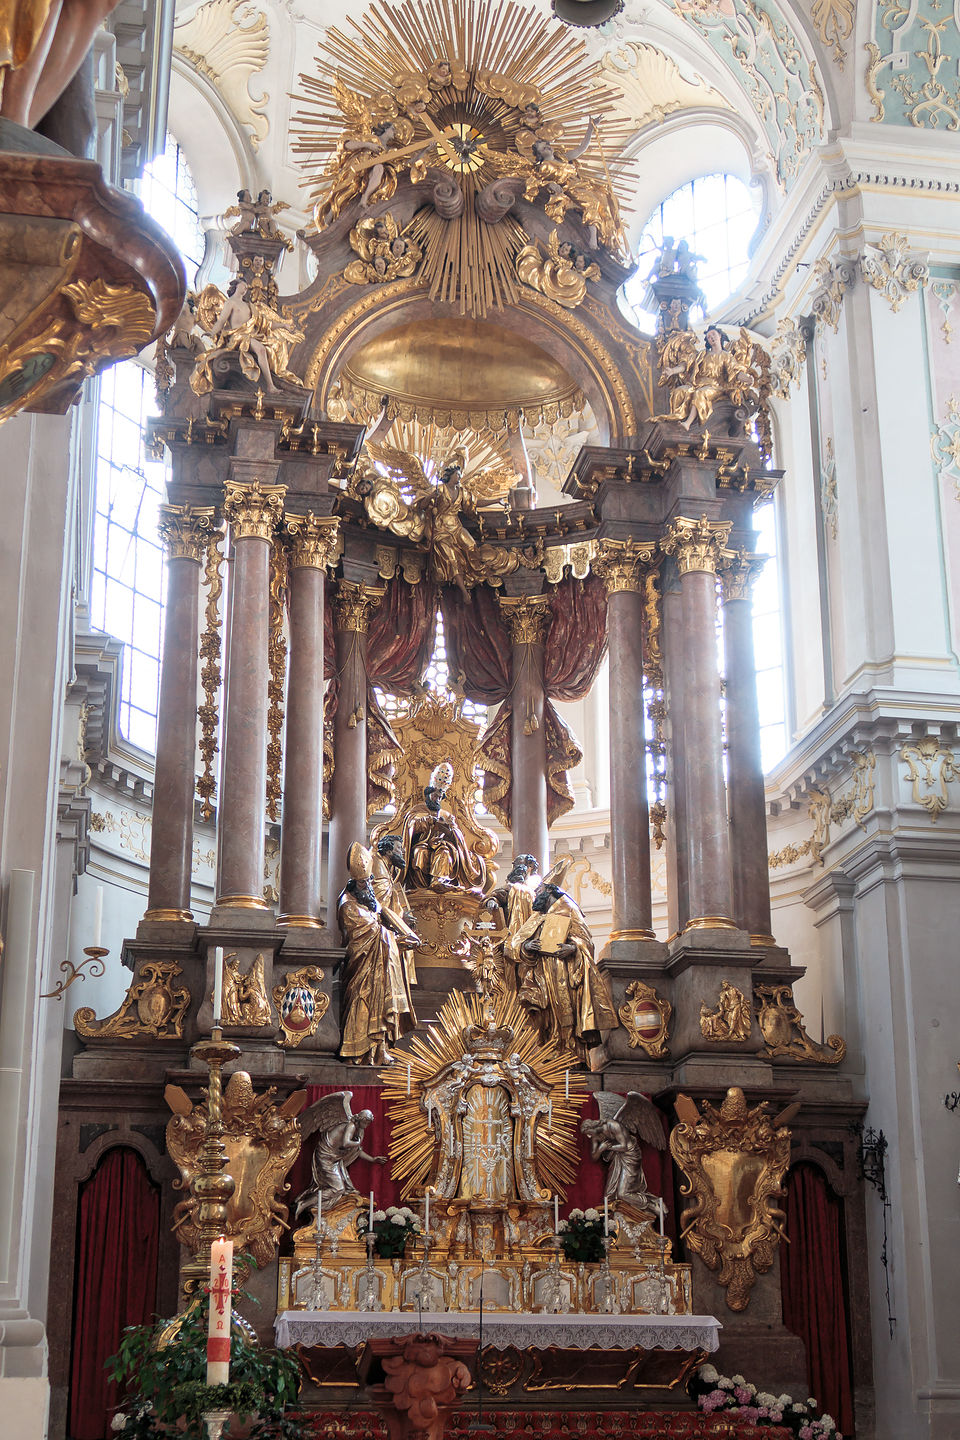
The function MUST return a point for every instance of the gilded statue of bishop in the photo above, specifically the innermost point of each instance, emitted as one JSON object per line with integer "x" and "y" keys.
{"x": 437, "y": 854}
{"x": 377, "y": 1003}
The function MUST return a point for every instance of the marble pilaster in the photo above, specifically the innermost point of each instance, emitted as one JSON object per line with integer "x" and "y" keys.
{"x": 528, "y": 618}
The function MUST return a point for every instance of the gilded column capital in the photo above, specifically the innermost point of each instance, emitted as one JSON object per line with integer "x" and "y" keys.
{"x": 354, "y": 605}
{"x": 314, "y": 540}
{"x": 619, "y": 563}
{"x": 738, "y": 570}
{"x": 527, "y": 617}
{"x": 254, "y": 510}
{"x": 696, "y": 544}
{"x": 185, "y": 530}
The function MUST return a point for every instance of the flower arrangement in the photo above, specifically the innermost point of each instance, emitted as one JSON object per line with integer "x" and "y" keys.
{"x": 581, "y": 1235}
{"x": 714, "y": 1392}
{"x": 391, "y": 1228}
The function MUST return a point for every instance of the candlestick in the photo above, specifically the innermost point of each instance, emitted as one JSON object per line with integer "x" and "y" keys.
{"x": 370, "y": 1221}
{"x": 606, "y": 1216}
{"x": 556, "y": 1215}
{"x": 98, "y": 917}
{"x": 550, "y": 1114}
{"x": 217, "y": 985}
{"x": 319, "y": 1209}
{"x": 662, "y": 1208}
{"x": 218, "y": 1325}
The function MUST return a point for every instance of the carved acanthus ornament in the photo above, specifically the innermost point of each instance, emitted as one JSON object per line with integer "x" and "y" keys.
{"x": 354, "y": 606}
{"x": 314, "y": 540}
{"x": 253, "y": 511}
{"x": 834, "y": 22}
{"x": 738, "y": 570}
{"x": 829, "y": 494}
{"x": 229, "y": 54}
{"x": 262, "y": 1140}
{"x": 385, "y": 253}
{"x": 893, "y": 269}
{"x": 734, "y": 1160}
{"x": 832, "y": 280}
{"x": 300, "y": 1004}
{"x": 277, "y": 659}
{"x": 645, "y": 1016}
{"x": 527, "y": 616}
{"x": 730, "y": 1020}
{"x": 696, "y": 544}
{"x": 931, "y": 765}
{"x": 185, "y": 531}
{"x": 653, "y": 85}
{"x": 561, "y": 274}
{"x": 153, "y": 1007}
{"x": 788, "y": 354}
{"x": 781, "y": 1025}
{"x": 210, "y": 674}
{"x": 620, "y": 564}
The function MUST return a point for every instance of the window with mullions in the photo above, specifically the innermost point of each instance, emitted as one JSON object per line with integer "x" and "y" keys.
{"x": 717, "y": 216}
{"x": 436, "y": 677}
{"x": 127, "y": 585}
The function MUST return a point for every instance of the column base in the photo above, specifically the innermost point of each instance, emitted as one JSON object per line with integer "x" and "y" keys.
{"x": 168, "y": 916}
{"x": 710, "y": 922}
{"x": 298, "y": 922}
{"x": 763, "y": 941}
{"x": 241, "y": 902}
{"x": 631, "y": 935}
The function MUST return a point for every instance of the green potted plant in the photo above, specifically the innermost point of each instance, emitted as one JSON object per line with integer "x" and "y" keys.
{"x": 391, "y": 1229}
{"x": 162, "y": 1368}
{"x": 581, "y": 1236}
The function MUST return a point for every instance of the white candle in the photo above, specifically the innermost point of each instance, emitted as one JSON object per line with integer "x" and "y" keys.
{"x": 98, "y": 917}
{"x": 550, "y": 1114}
{"x": 370, "y": 1221}
{"x": 606, "y": 1216}
{"x": 556, "y": 1215}
{"x": 566, "y": 1085}
{"x": 662, "y": 1208}
{"x": 430, "y": 1113}
{"x": 217, "y": 984}
{"x": 426, "y": 1213}
{"x": 218, "y": 1327}
{"x": 408, "y": 1077}
{"x": 319, "y": 1209}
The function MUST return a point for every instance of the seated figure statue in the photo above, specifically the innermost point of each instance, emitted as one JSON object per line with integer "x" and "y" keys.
{"x": 558, "y": 981}
{"x": 437, "y": 854}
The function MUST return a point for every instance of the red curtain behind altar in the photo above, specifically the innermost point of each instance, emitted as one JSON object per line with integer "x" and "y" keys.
{"x": 118, "y": 1234}
{"x": 478, "y": 644}
{"x": 577, "y": 638}
{"x": 586, "y": 1190}
{"x": 812, "y": 1285}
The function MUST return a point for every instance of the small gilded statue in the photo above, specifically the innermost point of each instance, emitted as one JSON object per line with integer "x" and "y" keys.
{"x": 437, "y": 854}
{"x": 377, "y": 1003}
{"x": 558, "y": 981}
{"x": 258, "y": 333}
{"x": 731, "y": 1018}
{"x": 616, "y": 1139}
{"x": 340, "y": 1145}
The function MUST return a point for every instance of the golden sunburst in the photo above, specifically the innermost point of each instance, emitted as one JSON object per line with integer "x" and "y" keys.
{"x": 412, "y": 1144}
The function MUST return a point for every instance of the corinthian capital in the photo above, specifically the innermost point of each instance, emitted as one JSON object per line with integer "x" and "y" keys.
{"x": 354, "y": 606}
{"x": 314, "y": 540}
{"x": 527, "y": 617}
{"x": 254, "y": 511}
{"x": 738, "y": 570}
{"x": 620, "y": 564}
{"x": 185, "y": 530}
{"x": 696, "y": 544}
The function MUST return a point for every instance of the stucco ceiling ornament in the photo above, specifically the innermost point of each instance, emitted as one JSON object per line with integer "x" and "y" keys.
{"x": 788, "y": 354}
{"x": 833, "y": 278}
{"x": 891, "y": 267}
{"x": 228, "y": 42}
{"x": 653, "y": 85}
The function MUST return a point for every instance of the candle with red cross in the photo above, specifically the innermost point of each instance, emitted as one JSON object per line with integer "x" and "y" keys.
{"x": 218, "y": 1329}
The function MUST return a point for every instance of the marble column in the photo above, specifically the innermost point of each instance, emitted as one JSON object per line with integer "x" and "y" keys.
{"x": 528, "y": 618}
{"x": 185, "y": 531}
{"x": 619, "y": 565}
{"x": 352, "y": 609}
{"x": 312, "y": 541}
{"x": 697, "y": 733}
{"x": 253, "y": 512}
{"x": 747, "y": 800}
{"x": 674, "y": 701}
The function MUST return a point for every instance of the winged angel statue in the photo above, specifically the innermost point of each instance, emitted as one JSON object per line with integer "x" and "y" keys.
{"x": 624, "y": 1123}
{"x": 364, "y": 163}
{"x": 339, "y": 1145}
{"x": 259, "y": 334}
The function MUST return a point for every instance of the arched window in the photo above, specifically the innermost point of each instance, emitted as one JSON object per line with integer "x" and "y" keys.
{"x": 127, "y": 585}
{"x": 717, "y": 216}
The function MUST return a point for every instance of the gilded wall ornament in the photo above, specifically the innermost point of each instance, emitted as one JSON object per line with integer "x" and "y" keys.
{"x": 300, "y": 1004}
{"x": 785, "y": 1037}
{"x": 834, "y": 22}
{"x": 645, "y": 1016}
{"x": 931, "y": 765}
{"x": 153, "y": 1007}
{"x": 893, "y": 269}
{"x": 561, "y": 274}
{"x": 858, "y": 800}
{"x": 208, "y": 712}
{"x": 244, "y": 1000}
{"x": 734, "y": 1160}
{"x": 730, "y": 1020}
{"x": 385, "y": 253}
{"x": 653, "y": 86}
{"x": 229, "y": 53}
{"x": 945, "y": 444}
{"x": 253, "y": 511}
{"x": 262, "y": 1140}
{"x": 696, "y": 544}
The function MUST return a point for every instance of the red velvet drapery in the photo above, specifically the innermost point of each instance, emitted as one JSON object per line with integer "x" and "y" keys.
{"x": 812, "y": 1285}
{"x": 478, "y": 644}
{"x": 118, "y": 1234}
{"x": 577, "y": 638}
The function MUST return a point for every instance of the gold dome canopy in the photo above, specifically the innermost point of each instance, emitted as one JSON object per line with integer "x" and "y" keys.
{"x": 458, "y": 373}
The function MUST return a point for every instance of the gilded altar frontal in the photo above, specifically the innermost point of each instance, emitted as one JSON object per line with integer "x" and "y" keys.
{"x": 478, "y": 770}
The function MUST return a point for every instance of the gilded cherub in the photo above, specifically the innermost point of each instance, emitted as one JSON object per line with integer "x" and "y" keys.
{"x": 385, "y": 253}
{"x": 561, "y": 275}
{"x": 364, "y": 166}
{"x": 261, "y": 337}
{"x": 257, "y": 216}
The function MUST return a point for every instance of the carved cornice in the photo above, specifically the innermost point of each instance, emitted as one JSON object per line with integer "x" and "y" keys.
{"x": 314, "y": 540}
{"x": 696, "y": 544}
{"x": 185, "y": 530}
{"x": 354, "y": 605}
{"x": 254, "y": 511}
{"x": 620, "y": 564}
{"x": 738, "y": 570}
{"x": 527, "y": 617}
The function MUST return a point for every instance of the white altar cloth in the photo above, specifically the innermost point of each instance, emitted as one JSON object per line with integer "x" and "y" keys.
{"x": 571, "y": 1332}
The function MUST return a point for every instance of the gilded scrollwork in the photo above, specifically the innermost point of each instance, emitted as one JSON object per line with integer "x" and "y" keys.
{"x": 277, "y": 658}
{"x": 645, "y": 1016}
{"x": 384, "y": 252}
{"x": 262, "y": 1141}
{"x": 785, "y": 1037}
{"x": 153, "y": 1008}
{"x": 834, "y": 22}
{"x": 210, "y": 674}
{"x": 788, "y": 354}
{"x": 931, "y": 765}
{"x": 300, "y": 1004}
{"x": 734, "y": 1159}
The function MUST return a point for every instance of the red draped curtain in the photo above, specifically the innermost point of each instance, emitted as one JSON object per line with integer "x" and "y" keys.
{"x": 118, "y": 1234}
{"x": 814, "y": 1294}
